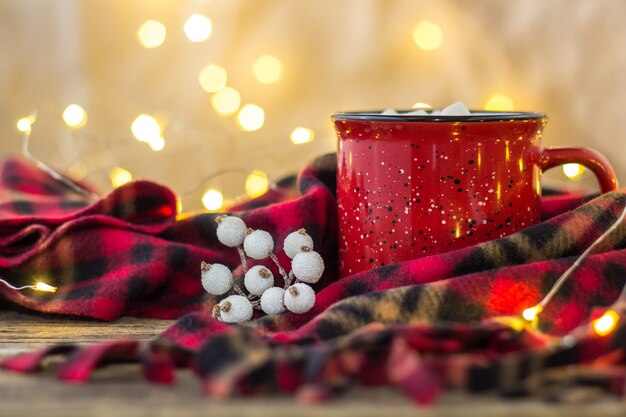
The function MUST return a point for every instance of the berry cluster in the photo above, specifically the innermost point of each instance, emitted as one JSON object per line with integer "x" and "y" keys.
{"x": 297, "y": 296}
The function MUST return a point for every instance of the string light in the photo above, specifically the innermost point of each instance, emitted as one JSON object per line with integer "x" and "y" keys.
{"x": 55, "y": 175}
{"x": 39, "y": 286}
{"x": 25, "y": 124}
{"x": 500, "y": 102}
{"x": 606, "y": 323}
{"x": 573, "y": 171}
{"x": 531, "y": 314}
{"x": 212, "y": 78}
{"x": 198, "y": 28}
{"x": 251, "y": 117}
{"x": 427, "y": 35}
{"x": 157, "y": 144}
{"x": 119, "y": 176}
{"x": 257, "y": 183}
{"x": 145, "y": 128}
{"x": 151, "y": 34}
{"x": 301, "y": 135}
{"x": 74, "y": 116}
{"x": 226, "y": 101}
{"x": 212, "y": 199}
{"x": 267, "y": 69}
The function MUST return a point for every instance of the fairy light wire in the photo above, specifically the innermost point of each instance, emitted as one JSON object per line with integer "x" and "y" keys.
{"x": 39, "y": 286}
{"x": 52, "y": 172}
{"x": 559, "y": 283}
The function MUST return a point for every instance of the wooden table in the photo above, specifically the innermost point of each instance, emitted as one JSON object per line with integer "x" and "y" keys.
{"x": 121, "y": 390}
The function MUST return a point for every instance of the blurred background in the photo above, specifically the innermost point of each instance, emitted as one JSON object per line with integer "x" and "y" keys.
{"x": 219, "y": 98}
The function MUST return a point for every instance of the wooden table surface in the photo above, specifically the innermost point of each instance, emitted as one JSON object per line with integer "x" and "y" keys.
{"x": 120, "y": 390}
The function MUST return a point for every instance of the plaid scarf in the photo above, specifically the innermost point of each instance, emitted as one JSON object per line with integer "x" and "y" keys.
{"x": 425, "y": 325}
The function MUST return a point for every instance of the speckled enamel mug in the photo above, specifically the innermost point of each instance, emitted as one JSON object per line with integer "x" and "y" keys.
{"x": 411, "y": 186}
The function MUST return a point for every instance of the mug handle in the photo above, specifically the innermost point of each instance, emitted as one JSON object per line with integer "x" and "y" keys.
{"x": 596, "y": 162}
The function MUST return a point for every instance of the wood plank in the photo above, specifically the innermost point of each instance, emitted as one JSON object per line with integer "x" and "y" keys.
{"x": 121, "y": 390}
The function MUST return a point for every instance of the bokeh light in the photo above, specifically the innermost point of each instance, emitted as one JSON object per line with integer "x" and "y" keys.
{"x": 119, "y": 176}
{"x": 606, "y": 323}
{"x": 257, "y": 183}
{"x": 151, "y": 34}
{"x": 198, "y": 28}
{"x": 267, "y": 69}
{"x": 422, "y": 106}
{"x": 212, "y": 78}
{"x": 74, "y": 116}
{"x": 226, "y": 101}
{"x": 145, "y": 128}
{"x": 500, "y": 102}
{"x": 25, "y": 124}
{"x": 77, "y": 171}
{"x": 531, "y": 313}
{"x": 212, "y": 199}
{"x": 427, "y": 35}
{"x": 251, "y": 117}
{"x": 301, "y": 135}
{"x": 573, "y": 171}
{"x": 157, "y": 144}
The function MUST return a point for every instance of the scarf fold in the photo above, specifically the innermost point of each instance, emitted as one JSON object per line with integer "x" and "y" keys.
{"x": 425, "y": 325}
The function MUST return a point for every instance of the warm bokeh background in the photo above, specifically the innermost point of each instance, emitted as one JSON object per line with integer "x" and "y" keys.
{"x": 565, "y": 57}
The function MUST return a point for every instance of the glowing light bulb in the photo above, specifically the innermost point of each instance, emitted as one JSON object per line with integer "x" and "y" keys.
{"x": 267, "y": 69}
{"x": 257, "y": 183}
{"x": 301, "y": 135}
{"x": 212, "y": 78}
{"x": 251, "y": 117}
{"x": 212, "y": 199}
{"x": 145, "y": 128}
{"x": 531, "y": 313}
{"x": 74, "y": 116}
{"x": 427, "y": 35}
{"x": 424, "y": 106}
{"x": 606, "y": 323}
{"x": 119, "y": 176}
{"x": 573, "y": 170}
{"x": 42, "y": 286}
{"x": 25, "y": 124}
{"x": 151, "y": 34}
{"x": 226, "y": 101}
{"x": 157, "y": 144}
{"x": 500, "y": 102}
{"x": 198, "y": 28}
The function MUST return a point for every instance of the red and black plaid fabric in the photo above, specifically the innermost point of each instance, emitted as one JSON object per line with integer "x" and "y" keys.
{"x": 422, "y": 325}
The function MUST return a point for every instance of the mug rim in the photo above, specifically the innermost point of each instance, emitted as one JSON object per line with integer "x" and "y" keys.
{"x": 475, "y": 116}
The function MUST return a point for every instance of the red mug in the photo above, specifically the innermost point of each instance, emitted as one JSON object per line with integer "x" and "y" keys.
{"x": 410, "y": 186}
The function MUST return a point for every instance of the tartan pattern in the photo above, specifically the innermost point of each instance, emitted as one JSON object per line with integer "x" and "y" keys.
{"x": 423, "y": 325}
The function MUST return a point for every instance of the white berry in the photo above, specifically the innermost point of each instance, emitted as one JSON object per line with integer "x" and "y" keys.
{"x": 231, "y": 231}
{"x": 216, "y": 279}
{"x": 272, "y": 301}
{"x": 299, "y": 298}
{"x": 235, "y": 309}
{"x": 295, "y": 241}
{"x": 456, "y": 109}
{"x": 308, "y": 266}
{"x": 258, "y": 244}
{"x": 258, "y": 279}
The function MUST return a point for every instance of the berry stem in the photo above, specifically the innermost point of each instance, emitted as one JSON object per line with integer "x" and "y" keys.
{"x": 238, "y": 290}
{"x": 280, "y": 267}
{"x": 242, "y": 256}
